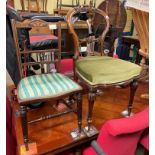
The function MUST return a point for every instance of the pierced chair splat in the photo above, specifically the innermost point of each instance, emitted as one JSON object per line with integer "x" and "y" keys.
{"x": 96, "y": 69}
{"x": 48, "y": 84}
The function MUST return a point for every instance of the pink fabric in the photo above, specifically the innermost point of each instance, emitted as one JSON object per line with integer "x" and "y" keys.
{"x": 41, "y": 38}
{"x": 128, "y": 125}
{"x": 10, "y": 144}
{"x": 10, "y": 132}
{"x": 115, "y": 56}
{"x": 116, "y": 145}
{"x": 121, "y": 136}
{"x": 8, "y": 115}
{"x": 145, "y": 139}
{"x": 66, "y": 66}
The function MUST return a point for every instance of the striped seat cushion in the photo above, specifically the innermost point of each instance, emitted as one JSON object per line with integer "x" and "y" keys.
{"x": 45, "y": 86}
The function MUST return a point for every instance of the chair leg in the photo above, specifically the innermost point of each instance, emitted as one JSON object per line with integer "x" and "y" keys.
{"x": 23, "y": 113}
{"x": 79, "y": 111}
{"x": 91, "y": 99}
{"x": 71, "y": 99}
{"x": 133, "y": 88}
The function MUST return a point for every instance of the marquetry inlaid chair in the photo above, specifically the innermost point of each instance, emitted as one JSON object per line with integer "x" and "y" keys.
{"x": 48, "y": 84}
{"x": 96, "y": 69}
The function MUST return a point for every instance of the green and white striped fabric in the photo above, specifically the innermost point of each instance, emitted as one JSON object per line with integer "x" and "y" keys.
{"x": 45, "y": 85}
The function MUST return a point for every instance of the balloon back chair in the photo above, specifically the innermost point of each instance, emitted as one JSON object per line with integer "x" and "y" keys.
{"x": 48, "y": 84}
{"x": 95, "y": 69}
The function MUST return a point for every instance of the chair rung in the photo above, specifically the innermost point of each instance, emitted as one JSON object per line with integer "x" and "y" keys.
{"x": 39, "y": 51}
{"x": 50, "y": 116}
{"x": 41, "y": 62}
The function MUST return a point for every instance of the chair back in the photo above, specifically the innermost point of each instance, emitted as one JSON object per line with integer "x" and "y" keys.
{"x": 34, "y": 5}
{"x": 61, "y": 4}
{"x": 89, "y": 41}
{"x": 141, "y": 21}
{"x": 48, "y": 59}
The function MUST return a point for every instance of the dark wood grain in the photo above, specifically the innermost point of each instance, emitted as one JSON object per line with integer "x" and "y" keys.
{"x": 53, "y": 136}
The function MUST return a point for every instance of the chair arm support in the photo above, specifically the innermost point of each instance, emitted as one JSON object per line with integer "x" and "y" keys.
{"x": 97, "y": 148}
{"x": 128, "y": 125}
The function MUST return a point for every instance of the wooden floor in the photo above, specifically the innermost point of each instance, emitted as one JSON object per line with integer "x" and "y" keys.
{"x": 53, "y": 135}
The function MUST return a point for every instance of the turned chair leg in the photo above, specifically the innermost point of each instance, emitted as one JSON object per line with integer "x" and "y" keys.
{"x": 91, "y": 99}
{"x": 23, "y": 113}
{"x": 79, "y": 111}
{"x": 133, "y": 88}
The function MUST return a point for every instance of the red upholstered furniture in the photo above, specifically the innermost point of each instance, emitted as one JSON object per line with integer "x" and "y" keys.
{"x": 40, "y": 38}
{"x": 10, "y": 134}
{"x": 145, "y": 139}
{"x": 43, "y": 41}
{"x": 67, "y": 66}
{"x": 121, "y": 136}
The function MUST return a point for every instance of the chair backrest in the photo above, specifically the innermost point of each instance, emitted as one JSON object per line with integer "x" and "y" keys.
{"x": 141, "y": 21}
{"x": 87, "y": 14}
{"x": 60, "y": 4}
{"x": 34, "y": 5}
{"x": 47, "y": 58}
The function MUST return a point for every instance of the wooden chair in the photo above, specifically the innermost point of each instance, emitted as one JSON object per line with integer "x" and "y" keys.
{"x": 117, "y": 14}
{"x": 48, "y": 84}
{"x": 62, "y": 7}
{"x": 34, "y": 6}
{"x": 97, "y": 70}
{"x": 60, "y": 4}
{"x": 141, "y": 22}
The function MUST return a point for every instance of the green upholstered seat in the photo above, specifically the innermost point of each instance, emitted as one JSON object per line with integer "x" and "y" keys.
{"x": 106, "y": 70}
{"x": 44, "y": 86}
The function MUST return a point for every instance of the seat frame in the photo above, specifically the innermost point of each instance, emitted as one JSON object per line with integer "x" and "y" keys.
{"x": 92, "y": 89}
{"x": 36, "y": 23}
